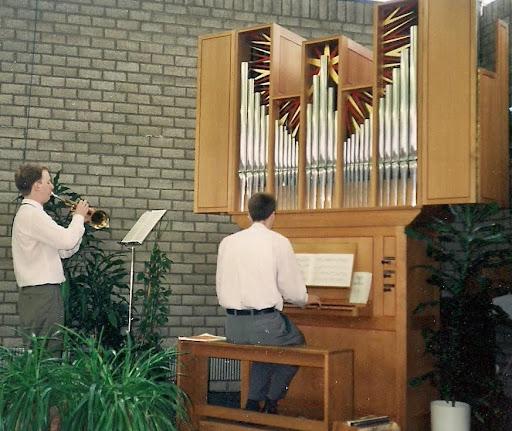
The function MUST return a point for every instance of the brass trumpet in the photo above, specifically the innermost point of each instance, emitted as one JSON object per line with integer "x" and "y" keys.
{"x": 99, "y": 218}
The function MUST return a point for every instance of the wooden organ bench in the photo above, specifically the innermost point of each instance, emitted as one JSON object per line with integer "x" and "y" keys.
{"x": 330, "y": 370}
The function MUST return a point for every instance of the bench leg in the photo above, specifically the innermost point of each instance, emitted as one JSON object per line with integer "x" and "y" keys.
{"x": 245, "y": 377}
{"x": 192, "y": 378}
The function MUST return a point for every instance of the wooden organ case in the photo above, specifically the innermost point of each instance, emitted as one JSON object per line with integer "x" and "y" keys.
{"x": 356, "y": 145}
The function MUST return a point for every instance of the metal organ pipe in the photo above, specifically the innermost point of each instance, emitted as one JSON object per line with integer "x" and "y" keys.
{"x": 254, "y": 130}
{"x": 397, "y": 143}
{"x": 321, "y": 138}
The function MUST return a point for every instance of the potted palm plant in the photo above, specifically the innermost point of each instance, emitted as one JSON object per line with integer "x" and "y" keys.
{"x": 468, "y": 247}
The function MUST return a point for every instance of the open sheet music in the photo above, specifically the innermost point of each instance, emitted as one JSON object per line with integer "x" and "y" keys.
{"x": 360, "y": 288}
{"x": 144, "y": 225}
{"x": 326, "y": 269}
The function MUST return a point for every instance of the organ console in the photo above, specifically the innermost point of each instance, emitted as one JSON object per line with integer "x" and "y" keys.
{"x": 357, "y": 145}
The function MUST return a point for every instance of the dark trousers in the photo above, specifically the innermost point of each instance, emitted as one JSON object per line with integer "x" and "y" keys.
{"x": 268, "y": 381}
{"x": 41, "y": 311}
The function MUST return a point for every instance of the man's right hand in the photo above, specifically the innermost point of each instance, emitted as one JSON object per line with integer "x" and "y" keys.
{"x": 313, "y": 300}
{"x": 82, "y": 208}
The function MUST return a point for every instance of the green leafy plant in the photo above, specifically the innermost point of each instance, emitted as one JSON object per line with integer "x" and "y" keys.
{"x": 94, "y": 294}
{"x": 154, "y": 298}
{"x": 26, "y": 391}
{"x": 95, "y": 303}
{"x": 467, "y": 248}
{"x": 117, "y": 390}
{"x": 92, "y": 388}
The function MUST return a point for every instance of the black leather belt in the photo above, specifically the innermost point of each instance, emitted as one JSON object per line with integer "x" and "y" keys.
{"x": 42, "y": 285}
{"x": 249, "y": 312}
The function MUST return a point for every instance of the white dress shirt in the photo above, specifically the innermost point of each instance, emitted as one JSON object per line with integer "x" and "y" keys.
{"x": 256, "y": 269}
{"x": 38, "y": 244}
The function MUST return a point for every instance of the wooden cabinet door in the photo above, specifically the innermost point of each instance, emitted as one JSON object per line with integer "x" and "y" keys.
{"x": 493, "y": 123}
{"x": 447, "y": 101}
{"x": 214, "y": 167}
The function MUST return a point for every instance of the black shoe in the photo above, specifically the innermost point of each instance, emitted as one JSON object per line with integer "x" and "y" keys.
{"x": 270, "y": 407}
{"x": 253, "y": 405}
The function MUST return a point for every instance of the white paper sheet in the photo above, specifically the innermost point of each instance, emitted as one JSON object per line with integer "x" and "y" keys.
{"x": 360, "y": 289}
{"x": 326, "y": 269}
{"x": 144, "y": 225}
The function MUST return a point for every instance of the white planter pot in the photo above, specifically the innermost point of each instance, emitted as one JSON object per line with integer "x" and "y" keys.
{"x": 446, "y": 417}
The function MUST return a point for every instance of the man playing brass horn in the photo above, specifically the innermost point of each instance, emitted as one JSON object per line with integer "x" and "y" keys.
{"x": 38, "y": 245}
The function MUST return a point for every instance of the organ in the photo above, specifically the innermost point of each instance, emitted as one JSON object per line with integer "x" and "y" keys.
{"x": 357, "y": 145}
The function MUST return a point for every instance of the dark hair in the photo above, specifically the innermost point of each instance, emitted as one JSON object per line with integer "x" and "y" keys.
{"x": 261, "y": 206}
{"x": 26, "y": 175}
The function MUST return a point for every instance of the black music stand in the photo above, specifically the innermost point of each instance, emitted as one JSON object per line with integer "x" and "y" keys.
{"x": 136, "y": 236}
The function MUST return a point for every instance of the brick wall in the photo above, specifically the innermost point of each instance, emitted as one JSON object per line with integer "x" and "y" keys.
{"x": 105, "y": 91}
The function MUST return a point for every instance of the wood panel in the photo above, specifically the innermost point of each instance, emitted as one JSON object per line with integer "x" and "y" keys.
{"x": 339, "y": 395}
{"x": 286, "y": 62}
{"x": 389, "y": 275}
{"x": 273, "y": 422}
{"x": 310, "y": 403}
{"x": 357, "y": 65}
{"x": 503, "y": 70}
{"x": 401, "y": 329}
{"x": 328, "y": 402}
{"x": 374, "y": 365}
{"x": 415, "y": 404}
{"x": 360, "y": 247}
{"x": 489, "y": 135}
{"x": 493, "y": 123}
{"x": 192, "y": 377}
{"x": 447, "y": 101}
{"x": 292, "y": 223}
{"x": 214, "y": 131}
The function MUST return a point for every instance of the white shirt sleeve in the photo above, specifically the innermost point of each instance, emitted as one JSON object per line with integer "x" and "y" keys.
{"x": 289, "y": 277}
{"x": 219, "y": 286}
{"x": 64, "y": 254}
{"x": 44, "y": 229}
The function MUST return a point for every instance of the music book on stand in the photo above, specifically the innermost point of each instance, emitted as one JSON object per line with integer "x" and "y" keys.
{"x": 360, "y": 287}
{"x": 326, "y": 269}
{"x": 140, "y": 230}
